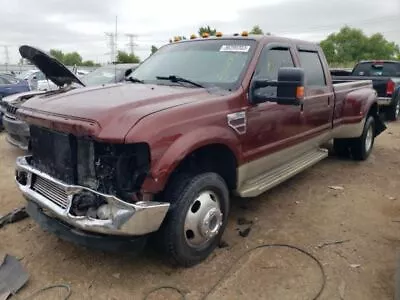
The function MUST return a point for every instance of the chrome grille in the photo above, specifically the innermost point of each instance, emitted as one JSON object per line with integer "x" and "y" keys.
{"x": 50, "y": 190}
{"x": 11, "y": 109}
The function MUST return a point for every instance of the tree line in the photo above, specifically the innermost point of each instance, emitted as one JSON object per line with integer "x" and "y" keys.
{"x": 343, "y": 48}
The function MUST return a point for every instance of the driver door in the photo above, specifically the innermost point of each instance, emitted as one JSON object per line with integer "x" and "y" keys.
{"x": 271, "y": 127}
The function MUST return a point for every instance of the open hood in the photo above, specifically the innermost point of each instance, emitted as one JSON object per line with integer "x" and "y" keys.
{"x": 50, "y": 66}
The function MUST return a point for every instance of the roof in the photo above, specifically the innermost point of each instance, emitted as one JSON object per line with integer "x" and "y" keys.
{"x": 256, "y": 37}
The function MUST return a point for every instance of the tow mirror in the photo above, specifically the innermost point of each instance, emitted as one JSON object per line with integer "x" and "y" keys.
{"x": 287, "y": 90}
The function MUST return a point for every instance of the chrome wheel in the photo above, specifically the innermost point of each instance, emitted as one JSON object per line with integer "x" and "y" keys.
{"x": 203, "y": 220}
{"x": 369, "y": 139}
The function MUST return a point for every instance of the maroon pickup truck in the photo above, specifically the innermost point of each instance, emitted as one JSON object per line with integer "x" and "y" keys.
{"x": 158, "y": 158}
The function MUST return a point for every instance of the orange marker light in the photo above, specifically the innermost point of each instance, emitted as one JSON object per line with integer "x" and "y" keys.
{"x": 300, "y": 92}
{"x": 218, "y": 34}
{"x": 205, "y": 35}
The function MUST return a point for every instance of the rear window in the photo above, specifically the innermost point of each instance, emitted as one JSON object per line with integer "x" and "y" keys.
{"x": 386, "y": 69}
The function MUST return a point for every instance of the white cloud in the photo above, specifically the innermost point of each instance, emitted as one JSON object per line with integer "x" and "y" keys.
{"x": 80, "y": 25}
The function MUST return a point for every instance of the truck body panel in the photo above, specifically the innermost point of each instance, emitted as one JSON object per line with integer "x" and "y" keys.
{"x": 258, "y": 118}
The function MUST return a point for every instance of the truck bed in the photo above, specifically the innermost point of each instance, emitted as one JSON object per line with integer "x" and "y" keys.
{"x": 378, "y": 83}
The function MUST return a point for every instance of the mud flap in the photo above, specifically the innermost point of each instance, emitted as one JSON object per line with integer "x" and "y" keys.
{"x": 379, "y": 125}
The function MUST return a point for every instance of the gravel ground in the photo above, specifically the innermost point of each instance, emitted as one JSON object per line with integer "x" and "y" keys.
{"x": 303, "y": 212}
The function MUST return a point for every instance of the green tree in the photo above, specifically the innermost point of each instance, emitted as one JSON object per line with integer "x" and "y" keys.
{"x": 124, "y": 57}
{"x": 350, "y": 45}
{"x": 58, "y": 54}
{"x": 153, "y": 49}
{"x": 88, "y": 63}
{"x": 72, "y": 58}
{"x": 256, "y": 30}
{"x": 207, "y": 29}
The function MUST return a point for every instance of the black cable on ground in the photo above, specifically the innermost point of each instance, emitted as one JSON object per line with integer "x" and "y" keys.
{"x": 224, "y": 276}
{"x": 50, "y": 287}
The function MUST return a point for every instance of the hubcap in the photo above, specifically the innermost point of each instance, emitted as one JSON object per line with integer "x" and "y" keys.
{"x": 368, "y": 139}
{"x": 397, "y": 108}
{"x": 203, "y": 219}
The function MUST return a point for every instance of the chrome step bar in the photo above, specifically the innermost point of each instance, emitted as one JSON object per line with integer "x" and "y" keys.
{"x": 266, "y": 181}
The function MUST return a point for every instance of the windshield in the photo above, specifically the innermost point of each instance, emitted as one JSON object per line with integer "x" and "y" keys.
{"x": 388, "y": 69}
{"x": 211, "y": 62}
{"x": 103, "y": 75}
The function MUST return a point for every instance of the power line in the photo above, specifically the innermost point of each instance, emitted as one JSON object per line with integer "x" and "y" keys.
{"x": 131, "y": 43}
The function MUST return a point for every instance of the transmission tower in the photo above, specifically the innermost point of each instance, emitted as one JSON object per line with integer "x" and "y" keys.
{"x": 111, "y": 45}
{"x": 131, "y": 43}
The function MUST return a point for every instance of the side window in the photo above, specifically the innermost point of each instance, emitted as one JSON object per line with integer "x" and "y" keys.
{"x": 40, "y": 76}
{"x": 268, "y": 66}
{"x": 270, "y": 62}
{"x": 314, "y": 73}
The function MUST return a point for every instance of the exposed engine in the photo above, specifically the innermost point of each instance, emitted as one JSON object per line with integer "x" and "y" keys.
{"x": 114, "y": 169}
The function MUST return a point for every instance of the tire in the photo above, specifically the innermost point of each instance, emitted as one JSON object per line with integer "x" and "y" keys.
{"x": 361, "y": 147}
{"x": 341, "y": 147}
{"x": 393, "y": 112}
{"x": 194, "y": 199}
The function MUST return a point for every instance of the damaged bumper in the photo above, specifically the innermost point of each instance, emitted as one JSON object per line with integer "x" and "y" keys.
{"x": 113, "y": 217}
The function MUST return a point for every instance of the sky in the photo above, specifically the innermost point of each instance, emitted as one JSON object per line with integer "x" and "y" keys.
{"x": 81, "y": 25}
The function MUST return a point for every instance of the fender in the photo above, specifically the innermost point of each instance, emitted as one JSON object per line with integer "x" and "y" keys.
{"x": 182, "y": 147}
{"x": 357, "y": 105}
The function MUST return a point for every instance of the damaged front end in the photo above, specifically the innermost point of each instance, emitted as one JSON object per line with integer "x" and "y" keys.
{"x": 90, "y": 185}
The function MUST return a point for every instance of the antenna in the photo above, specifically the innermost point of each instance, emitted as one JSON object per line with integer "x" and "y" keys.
{"x": 116, "y": 48}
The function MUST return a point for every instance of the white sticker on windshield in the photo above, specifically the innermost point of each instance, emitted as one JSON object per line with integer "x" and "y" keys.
{"x": 234, "y": 48}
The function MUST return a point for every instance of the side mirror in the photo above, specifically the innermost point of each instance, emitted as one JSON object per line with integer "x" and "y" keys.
{"x": 287, "y": 90}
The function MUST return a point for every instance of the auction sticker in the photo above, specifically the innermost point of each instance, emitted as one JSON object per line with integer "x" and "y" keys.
{"x": 234, "y": 48}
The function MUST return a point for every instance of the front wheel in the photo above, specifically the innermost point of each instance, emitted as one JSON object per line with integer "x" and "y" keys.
{"x": 361, "y": 147}
{"x": 197, "y": 217}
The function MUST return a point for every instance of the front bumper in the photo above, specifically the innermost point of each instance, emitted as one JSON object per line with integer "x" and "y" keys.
{"x": 56, "y": 197}
{"x": 17, "y": 132}
{"x": 132, "y": 245}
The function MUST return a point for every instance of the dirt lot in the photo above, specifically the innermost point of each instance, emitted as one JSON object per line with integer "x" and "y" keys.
{"x": 303, "y": 211}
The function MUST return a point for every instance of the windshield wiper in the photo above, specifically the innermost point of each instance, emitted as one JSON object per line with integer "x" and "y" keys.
{"x": 134, "y": 80}
{"x": 174, "y": 78}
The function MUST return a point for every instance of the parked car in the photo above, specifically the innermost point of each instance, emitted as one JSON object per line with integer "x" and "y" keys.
{"x": 18, "y": 130}
{"x": 385, "y": 76}
{"x": 111, "y": 167}
{"x": 32, "y": 77}
{"x": 108, "y": 74}
{"x": 9, "y": 86}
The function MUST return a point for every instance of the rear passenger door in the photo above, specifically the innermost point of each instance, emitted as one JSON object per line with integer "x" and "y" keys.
{"x": 317, "y": 108}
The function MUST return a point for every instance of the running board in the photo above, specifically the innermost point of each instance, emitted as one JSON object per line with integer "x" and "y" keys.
{"x": 266, "y": 181}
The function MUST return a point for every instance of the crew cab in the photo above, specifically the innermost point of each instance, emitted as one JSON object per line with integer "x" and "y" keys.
{"x": 385, "y": 76}
{"x": 202, "y": 119}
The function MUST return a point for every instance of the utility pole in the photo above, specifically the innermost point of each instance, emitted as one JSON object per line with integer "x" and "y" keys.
{"x": 111, "y": 45}
{"x": 131, "y": 43}
{"x": 113, "y": 42}
{"x": 116, "y": 38}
